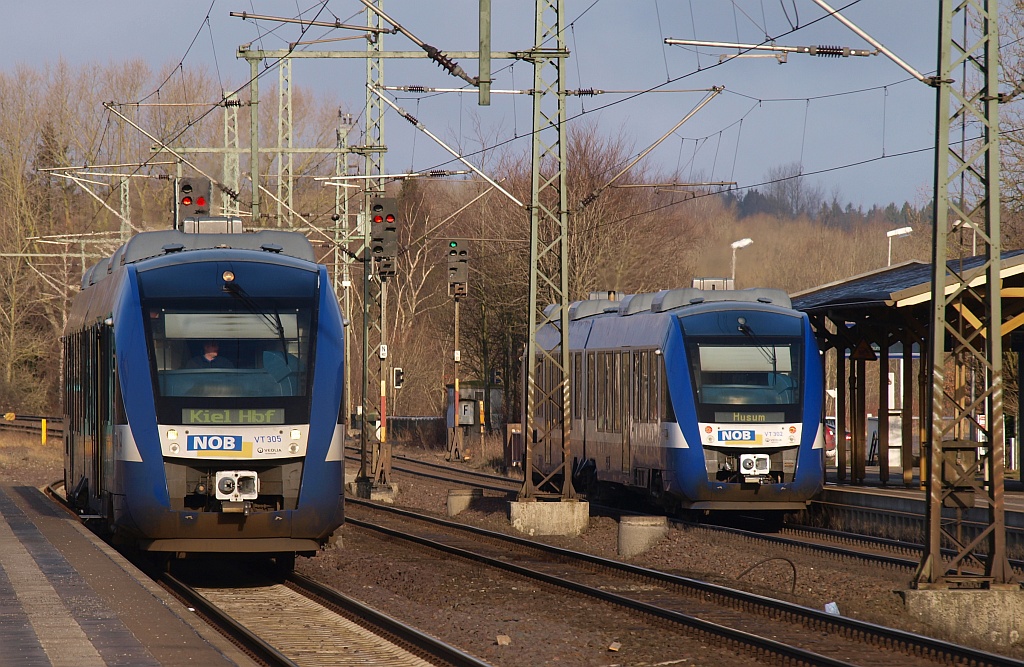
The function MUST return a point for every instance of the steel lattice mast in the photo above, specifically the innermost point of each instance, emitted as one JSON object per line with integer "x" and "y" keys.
{"x": 373, "y": 442}
{"x": 547, "y": 381}
{"x": 966, "y": 186}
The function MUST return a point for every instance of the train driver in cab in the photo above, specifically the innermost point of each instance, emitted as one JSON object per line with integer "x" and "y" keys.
{"x": 210, "y": 358}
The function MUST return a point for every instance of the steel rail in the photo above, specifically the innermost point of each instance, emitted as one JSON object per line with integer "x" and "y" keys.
{"x": 879, "y": 635}
{"x": 224, "y": 623}
{"x": 422, "y": 642}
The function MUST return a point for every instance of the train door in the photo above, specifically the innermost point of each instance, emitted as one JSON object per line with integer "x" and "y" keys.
{"x": 579, "y": 431}
{"x": 97, "y": 406}
{"x": 590, "y": 415}
{"x": 624, "y": 416}
{"x": 107, "y": 401}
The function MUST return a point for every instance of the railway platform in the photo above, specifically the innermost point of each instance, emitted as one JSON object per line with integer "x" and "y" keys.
{"x": 898, "y": 510}
{"x": 68, "y": 599}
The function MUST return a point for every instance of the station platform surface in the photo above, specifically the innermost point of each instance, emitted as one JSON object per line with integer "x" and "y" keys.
{"x": 894, "y": 494}
{"x": 68, "y": 599}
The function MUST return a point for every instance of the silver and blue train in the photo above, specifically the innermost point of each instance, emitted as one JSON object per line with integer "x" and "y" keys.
{"x": 704, "y": 400}
{"x": 180, "y": 454}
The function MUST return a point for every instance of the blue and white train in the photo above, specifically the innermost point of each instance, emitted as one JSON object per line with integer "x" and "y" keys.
{"x": 179, "y": 454}
{"x": 705, "y": 400}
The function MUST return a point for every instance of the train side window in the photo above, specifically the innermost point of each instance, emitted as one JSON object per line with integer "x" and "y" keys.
{"x": 624, "y": 388}
{"x": 577, "y": 385}
{"x": 634, "y": 408}
{"x": 613, "y": 384}
{"x": 668, "y": 413}
{"x": 653, "y": 409}
{"x": 644, "y": 387}
{"x": 606, "y": 383}
{"x": 591, "y": 385}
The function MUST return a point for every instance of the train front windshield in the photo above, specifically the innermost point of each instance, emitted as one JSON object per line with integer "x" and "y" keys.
{"x": 736, "y": 377}
{"x": 239, "y": 354}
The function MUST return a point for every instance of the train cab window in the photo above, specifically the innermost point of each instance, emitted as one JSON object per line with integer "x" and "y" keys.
{"x": 214, "y": 352}
{"x": 763, "y": 377}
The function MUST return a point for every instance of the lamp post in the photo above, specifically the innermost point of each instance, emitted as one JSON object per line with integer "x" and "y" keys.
{"x": 742, "y": 243}
{"x": 898, "y": 233}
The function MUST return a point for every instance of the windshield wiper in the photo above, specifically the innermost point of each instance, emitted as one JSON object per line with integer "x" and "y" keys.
{"x": 273, "y": 322}
{"x": 767, "y": 351}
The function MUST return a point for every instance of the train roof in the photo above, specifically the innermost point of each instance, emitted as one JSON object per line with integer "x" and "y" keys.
{"x": 666, "y": 300}
{"x": 603, "y": 323}
{"x": 148, "y": 245}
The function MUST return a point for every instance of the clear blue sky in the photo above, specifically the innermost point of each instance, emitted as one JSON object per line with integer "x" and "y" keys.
{"x": 807, "y": 110}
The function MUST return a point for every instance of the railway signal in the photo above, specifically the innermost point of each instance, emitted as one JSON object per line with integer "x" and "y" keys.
{"x": 193, "y": 200}
{"x": 398, "y": 379}
{"x": 458, "y": 269}
{"x": 384, "y": 233}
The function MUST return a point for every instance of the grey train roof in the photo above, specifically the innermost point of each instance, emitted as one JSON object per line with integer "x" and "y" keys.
{"x": 154, "y": 244}
{"x": 596, "y": 323}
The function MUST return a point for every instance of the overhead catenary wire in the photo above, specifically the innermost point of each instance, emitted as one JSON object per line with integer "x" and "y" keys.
{"x": 638, "y": 92}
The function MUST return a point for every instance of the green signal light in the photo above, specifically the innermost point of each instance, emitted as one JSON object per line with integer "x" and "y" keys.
{"x": 453, "y": 244}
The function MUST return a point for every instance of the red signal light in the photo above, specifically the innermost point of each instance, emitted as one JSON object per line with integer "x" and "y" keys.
{"x": 378, "y": 218}
{"x": 201, "y": 201}
{"x": 187, "y": 201}
{"x": 391, "y": 217}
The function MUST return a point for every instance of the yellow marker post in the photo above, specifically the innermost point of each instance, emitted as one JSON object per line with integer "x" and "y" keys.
{"x": 43, "y": 436}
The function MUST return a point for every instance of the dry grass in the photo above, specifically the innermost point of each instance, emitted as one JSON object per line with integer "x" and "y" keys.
{"x": 24, "y": 460}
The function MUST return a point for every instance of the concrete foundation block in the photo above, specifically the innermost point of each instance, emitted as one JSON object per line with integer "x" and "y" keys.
{"x": 637, "y": 534}
{"x": 987, "y": 615}
{"x": 461, "y": 499}
{"x": 381, "y": 494}
{"x": 385, "y": 494}
{"x": 567, "y": 517}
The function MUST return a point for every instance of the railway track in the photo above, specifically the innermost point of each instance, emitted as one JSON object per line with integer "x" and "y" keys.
{"x": 448, "y": 473}
{"x": 32, "y": 424}
{"x": 891, "y": 553}
{"x": 761, "y": 626}
{"x": 296, "y": 621}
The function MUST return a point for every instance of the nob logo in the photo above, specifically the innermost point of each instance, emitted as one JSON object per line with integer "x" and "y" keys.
{"x": 230, "y": 443}
{"x": 733, "y": 435}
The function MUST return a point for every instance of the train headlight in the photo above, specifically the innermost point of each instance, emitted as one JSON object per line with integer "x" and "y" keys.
{"x": 237, "y": 485}
{"x": 226, "y": 486}
{"x": 754, "y": 467}
{"x": 296, "y": 434}
{"x": 293, "y": 448}
{"x": 172, "y": 434}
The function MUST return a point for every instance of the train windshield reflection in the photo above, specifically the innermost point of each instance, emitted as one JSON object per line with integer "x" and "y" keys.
{"x": 203, "y": 350}
{"x": 763, "y": 374}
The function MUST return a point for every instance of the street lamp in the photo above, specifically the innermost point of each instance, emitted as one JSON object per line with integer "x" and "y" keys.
{"x": 898, "y": 233}
{"x": 742, "y": 243}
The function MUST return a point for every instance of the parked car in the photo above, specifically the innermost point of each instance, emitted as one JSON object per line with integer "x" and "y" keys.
{"x": 830, "y": 434}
